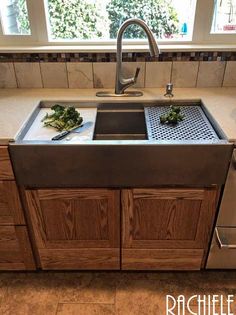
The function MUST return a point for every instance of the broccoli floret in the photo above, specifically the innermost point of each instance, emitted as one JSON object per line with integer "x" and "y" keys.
{"x": 173, "y": 116}
{"x": 63, "y": 118}
{"x": 58, "y": 108}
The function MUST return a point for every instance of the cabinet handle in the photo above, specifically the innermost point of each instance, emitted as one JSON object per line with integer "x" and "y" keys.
{"x": 223, "y": 244}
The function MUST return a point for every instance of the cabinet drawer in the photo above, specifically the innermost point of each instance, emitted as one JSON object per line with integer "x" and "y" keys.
{"x": 10, "y": 206}
{"x": 15, "y": 249}
{"x": 6, "y": 171}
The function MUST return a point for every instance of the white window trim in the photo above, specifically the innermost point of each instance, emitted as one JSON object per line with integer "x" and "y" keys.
{"x": 38, "y": 41}
{"x": 202, "y": 26}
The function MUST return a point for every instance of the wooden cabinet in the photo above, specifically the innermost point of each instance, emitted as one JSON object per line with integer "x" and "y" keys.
{"x": 11, "y": 212}
{"x": 76, "y": 228}
{"x": 6, "y": 172}
{"x": 161, "y": 228}
{"x": 166, "y": 228}
{"x": 15, "y": 247}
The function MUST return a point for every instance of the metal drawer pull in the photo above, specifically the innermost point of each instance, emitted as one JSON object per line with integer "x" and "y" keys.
{"x": 223, "y": 244}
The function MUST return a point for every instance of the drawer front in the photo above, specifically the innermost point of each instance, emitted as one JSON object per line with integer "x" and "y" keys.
{"x": 15, "y": 249}
{"x": 10, "y": 206}
{"x": 6, "y": 171}
{"x": 223, "y": 249}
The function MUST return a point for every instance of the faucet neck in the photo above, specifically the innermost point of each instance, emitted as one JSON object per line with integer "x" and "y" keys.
{"x": 122, "y": 83}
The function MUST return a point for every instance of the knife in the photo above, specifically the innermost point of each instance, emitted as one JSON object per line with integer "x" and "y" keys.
{"x": 73, "y": 130}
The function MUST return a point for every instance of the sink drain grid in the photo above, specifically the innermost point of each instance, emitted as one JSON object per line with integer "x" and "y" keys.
{"x": 195, "y": 125}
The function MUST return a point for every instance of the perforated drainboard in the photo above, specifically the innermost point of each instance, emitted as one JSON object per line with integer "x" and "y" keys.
{"x": 195, "y": 125}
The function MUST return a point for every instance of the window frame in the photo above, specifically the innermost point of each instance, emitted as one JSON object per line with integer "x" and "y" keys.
{"x": 39, "y": 32}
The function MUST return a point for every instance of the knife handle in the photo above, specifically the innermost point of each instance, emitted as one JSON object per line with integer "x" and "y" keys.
{"x": 61, "y": 135}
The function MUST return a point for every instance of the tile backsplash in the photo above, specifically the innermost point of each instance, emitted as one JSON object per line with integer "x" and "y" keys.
{"x": 184, "y": 73}
{"x": 211, "y": 74}
{"x": 81, "y": 70}
{"x": 28, "y": 75}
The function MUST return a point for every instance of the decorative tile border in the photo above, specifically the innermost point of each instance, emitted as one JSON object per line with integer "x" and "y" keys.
{"x": 83, "y": 75}
{"x": 111, "y": 57}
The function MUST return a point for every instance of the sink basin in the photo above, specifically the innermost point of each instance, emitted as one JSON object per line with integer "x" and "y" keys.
{"x": 120, "y": 122}
{"x": 126, "y": 148}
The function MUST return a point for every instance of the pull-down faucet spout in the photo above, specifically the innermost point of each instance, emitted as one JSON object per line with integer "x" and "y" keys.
{"x": 122, "y": 83}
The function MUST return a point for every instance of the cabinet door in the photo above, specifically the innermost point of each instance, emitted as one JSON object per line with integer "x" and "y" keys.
{"x": 10, "y": 206}
{"x": 166, "y": 228}
{"x": 76, "y": 228}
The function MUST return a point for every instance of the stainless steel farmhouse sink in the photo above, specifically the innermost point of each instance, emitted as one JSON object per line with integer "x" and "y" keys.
{"x": 126, "y": 146}
{"x": 120, "y": 122}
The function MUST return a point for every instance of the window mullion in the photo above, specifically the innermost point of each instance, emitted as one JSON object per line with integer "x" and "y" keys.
{"x": 37, "y": 20}
{"x": 203, "y": 20}
{"x": 1, "y": 30}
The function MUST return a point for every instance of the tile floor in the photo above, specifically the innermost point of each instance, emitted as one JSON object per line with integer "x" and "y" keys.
{"x": 105, "y": 293}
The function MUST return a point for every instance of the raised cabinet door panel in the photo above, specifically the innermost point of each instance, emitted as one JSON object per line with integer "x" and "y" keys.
{"x": 6, "y": 172}
{"x": 76, "y": 228}
{"x": 15, "y": 249}
{"x": 158, "y": 222}
{"x": 10, "y": 206}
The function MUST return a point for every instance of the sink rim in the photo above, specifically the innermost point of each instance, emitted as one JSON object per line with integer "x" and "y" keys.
{"x": 91, "y": 104}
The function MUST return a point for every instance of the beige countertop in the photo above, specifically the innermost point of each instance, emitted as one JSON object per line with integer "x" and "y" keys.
{"x": 16, "y": 105}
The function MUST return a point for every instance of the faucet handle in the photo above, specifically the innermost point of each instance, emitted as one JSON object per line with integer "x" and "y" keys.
{"x": 136, "y": 74}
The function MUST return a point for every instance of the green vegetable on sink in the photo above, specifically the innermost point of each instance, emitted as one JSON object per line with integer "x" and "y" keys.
{"x": 62, "y": 118}
{"x": 173, "y": 117}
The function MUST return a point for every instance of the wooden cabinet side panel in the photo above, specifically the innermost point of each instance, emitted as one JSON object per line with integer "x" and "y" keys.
{"x": 6, "y": 171}
{"x": 11, "y": 211}
{"x": 15, "y": 249}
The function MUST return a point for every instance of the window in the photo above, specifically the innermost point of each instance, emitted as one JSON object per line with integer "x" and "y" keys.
{"x": 96, "y": 22}
{"x": 224, "y": 18}
{"x": 101, "y": 19}
{"x": 14, "y": 17}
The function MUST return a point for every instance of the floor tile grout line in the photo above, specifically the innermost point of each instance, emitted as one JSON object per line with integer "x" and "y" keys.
{"x": 57, "y": 308}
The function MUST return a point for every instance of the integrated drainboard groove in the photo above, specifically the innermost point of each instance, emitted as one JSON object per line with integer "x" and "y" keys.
{"x": 195, "y": 125}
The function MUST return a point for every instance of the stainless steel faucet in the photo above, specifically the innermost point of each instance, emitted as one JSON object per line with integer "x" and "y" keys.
{"x": 123, "y": 83}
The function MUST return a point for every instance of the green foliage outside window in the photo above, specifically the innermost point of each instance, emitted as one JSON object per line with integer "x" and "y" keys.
{"x": 72, "y": 19}
{"x": 160, "y": 16}
{"x": 80, "y": 19}
{"x": 22, "y": 17}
